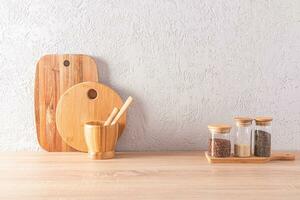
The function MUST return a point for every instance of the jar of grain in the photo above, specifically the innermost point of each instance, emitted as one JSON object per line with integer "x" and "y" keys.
{"x": 243, "y": 137}
{"x": 219, "y": 141}
{"x": 262, "y": 136}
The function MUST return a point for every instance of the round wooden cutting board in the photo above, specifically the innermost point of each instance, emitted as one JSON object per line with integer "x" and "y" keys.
{"x": 84, "y": 102}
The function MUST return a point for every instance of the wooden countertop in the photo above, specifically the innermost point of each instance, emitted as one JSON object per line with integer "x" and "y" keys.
{"x": 171, "y": 175}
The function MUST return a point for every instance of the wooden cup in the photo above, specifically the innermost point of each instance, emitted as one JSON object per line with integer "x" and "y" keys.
{"x": 101, "y": 140}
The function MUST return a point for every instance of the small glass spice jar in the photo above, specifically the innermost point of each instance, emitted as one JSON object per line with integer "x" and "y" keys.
{"x": 243, "y": 137}
{"x": 219, "y": 141}
{"x": 262, "y": 136}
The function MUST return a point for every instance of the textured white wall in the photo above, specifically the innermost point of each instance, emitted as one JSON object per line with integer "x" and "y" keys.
{"x": 186, "y": 63}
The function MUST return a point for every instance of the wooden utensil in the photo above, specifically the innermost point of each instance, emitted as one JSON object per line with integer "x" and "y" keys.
{"x": 122, "y": 110}
{"x": 252, "y": 159}
{"x": 54, "y": 75}
{"x": 85, "y": 102}
{"x": 101, "y": 140}
{"x": 111, "y": 116}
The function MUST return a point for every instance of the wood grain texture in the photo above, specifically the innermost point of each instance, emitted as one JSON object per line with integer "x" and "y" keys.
{"x": 252, "y": 159}
{"x": 52, "y": 79}
{"x": 156, "y": 175}
{"x": 75, "y": 108}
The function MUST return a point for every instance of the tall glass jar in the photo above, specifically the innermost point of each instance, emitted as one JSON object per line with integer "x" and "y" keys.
{"x": 262, "y": 136}
{"x": 219, "y": 141}
{"x": 243, "y": 137}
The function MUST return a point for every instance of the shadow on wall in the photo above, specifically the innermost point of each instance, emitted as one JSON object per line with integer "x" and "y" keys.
{"x": 134, "y": 130}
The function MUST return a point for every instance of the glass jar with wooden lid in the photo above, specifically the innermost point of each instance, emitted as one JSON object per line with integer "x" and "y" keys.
{"x": 243, "y": 137}
{"x": 219, "y": 141}
{"x": 262, "y": 136}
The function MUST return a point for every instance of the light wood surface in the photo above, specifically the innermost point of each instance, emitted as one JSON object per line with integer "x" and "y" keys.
{"x": 75, "y": 108}
{"x": 145, "y": 176}
{"x": 54, "y": 75}
{"x": 101, "y": 140}
{"x": 252, "y": 159}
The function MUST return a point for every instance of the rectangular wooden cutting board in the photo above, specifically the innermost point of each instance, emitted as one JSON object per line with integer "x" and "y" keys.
{"x": 54, "y": 75}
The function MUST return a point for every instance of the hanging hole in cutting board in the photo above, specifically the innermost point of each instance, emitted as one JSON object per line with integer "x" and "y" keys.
{"x": 66, "y": 63}
{"x": 92, "y": 94}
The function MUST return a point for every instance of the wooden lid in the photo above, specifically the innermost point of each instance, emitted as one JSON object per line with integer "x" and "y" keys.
{"x": 243, "y": 121}
{"x": 219, "y": 128}
{"x": 263, "y": 121}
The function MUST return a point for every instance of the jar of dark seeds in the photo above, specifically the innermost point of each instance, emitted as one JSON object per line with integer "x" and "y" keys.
{"x": 219, "y": 144}
{"x": 262, "y": 136}
{"x": 243, "y": 137}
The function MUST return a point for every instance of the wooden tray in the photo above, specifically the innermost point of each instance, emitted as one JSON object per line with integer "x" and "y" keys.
{"x": 252, "y": 159}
